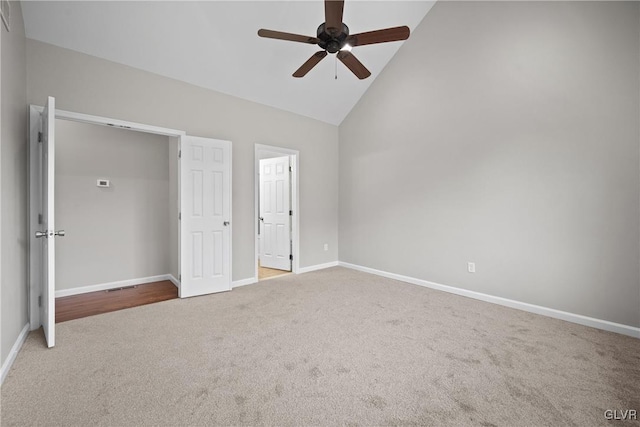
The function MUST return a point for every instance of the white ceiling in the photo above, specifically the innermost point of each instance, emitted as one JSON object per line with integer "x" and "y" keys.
{"x": 214, "y": 44}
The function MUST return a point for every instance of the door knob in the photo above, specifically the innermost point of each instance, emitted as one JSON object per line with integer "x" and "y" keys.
{"x": 40, "y": 234}
{"x": 226, "y": 223}
{"x": 261, "y": 219}
{"x": 59, "y": 233}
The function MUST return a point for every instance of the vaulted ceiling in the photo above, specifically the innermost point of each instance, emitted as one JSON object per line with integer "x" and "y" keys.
{"x": 214, "y": 44}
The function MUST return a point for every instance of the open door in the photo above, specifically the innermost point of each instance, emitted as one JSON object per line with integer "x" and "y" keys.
{"x": 47, "y": 233}
{"x": 205, "y": 211}
{"x": 275, "y": 213}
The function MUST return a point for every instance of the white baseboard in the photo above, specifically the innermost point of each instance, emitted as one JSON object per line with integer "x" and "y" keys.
{"x": 114, "y": 285}
{"x": 252, "y": 280}
{"x": 537, "y": 309}
{"x": 175, "y": 281}
{"x": 11, "y": 357}
{"x": 243, "y": 282}
{"x": 311, "y": 268}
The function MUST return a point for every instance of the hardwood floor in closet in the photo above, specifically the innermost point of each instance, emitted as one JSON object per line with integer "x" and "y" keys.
{"x": 89, "y": 304}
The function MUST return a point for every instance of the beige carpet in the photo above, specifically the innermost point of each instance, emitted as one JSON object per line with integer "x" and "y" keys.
{"x": 333, "y": 347}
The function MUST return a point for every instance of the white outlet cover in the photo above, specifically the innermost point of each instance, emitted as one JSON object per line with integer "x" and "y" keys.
{"x": 471, "y": 266}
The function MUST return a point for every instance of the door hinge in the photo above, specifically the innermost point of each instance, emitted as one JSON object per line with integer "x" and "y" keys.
{"x": 39, "y": 136}
{"x": 39, "y": 300}
{"x": 290, "y": 213}
{"x": 179, "y": 154}
{"x": 39, "y": 218}
{"x": 180, "y": 277}
{"x": 291, "y": 257}
{"x": 290, "y": 169}
{"x": 179, "y": 216}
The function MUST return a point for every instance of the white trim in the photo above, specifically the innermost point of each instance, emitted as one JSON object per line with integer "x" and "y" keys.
{"x": 114, "y": 285}
{"x": 243, "y": 282}
{"x": 106, "y": 121}
{"x": 318, "y": 267}
{"x": 35, "y": 200}
{"x": 231, "y": 220}
{"x": 252, "y": 280}
{"x": 295, "y": 205}
{"x": 531, "y": 308}
{"x": 11, "y": 357}
{"x": 173, "y": 280}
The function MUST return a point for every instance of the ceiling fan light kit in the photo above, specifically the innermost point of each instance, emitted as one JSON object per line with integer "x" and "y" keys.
{"x": 332, "y": 36}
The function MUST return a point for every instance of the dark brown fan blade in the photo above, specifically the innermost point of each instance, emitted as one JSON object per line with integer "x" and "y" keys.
{"x": 353, "y": 64}
{"x": 311, "y": 62}
{"x": 279, "y": 35}
{"x": 379, "y": 36}
{"x": 333, "y": 16}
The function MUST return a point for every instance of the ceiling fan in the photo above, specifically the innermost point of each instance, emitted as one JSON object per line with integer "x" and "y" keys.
{"x": 333, "y": 37}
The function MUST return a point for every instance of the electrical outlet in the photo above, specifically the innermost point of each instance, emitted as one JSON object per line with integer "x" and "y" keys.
{"x": 471, "y": 266}
{"x": 326, "y": 246}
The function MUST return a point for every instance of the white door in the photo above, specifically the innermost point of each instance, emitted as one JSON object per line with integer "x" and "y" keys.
{"x": 275, "y": 214}
{"x": 47, "y": 232}
{"x": 205, "y": 205}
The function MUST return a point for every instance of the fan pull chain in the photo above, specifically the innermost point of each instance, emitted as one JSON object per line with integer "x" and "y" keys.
{"x": 336, "y": 67}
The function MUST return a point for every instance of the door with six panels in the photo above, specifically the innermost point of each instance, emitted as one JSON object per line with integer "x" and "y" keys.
{"x": 205, "y": 206}
{"x": 275, "y": 213}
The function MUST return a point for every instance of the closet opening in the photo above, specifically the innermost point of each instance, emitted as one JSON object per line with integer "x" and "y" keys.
{"x": 192, "y": 218}
{"x": 116, "y": 193}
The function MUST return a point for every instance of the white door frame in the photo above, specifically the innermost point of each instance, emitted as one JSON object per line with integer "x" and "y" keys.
{"x": 34, "y": 177}
{"x": 295, "y": 205}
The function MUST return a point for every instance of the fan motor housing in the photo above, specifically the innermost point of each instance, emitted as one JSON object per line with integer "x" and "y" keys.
{"x": 332, "y": 43}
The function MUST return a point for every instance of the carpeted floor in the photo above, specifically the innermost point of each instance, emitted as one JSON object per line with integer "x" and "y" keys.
{"x": 332, "y": 347}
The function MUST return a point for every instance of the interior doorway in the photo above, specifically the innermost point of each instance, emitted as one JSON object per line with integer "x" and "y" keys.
{"x": 276, "y": 211}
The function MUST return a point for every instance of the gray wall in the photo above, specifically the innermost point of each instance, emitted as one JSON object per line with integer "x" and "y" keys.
{"x": 13, "y": 155}
{"x": 504, "y": 133}
{"x": 116, "y": 233}
{"x": 86, "y": 84}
